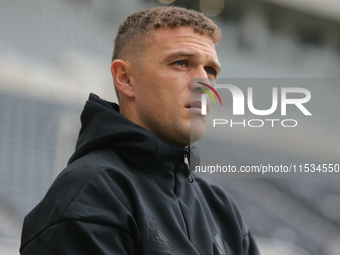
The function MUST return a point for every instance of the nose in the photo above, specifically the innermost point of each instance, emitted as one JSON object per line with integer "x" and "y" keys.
{"x": 199, "y": 76}
{"x": 199, "y": 72}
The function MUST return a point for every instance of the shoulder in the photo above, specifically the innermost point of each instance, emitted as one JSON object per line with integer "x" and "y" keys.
{"x": 90, "y": 189}
{"x": 84, "y": 175}
{"x": 91, "y": 179}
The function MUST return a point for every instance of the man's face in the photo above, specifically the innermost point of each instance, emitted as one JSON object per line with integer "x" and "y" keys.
{"x": 162, "y": 86}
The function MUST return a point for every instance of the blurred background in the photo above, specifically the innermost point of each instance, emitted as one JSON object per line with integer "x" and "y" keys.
{"x": 53, "y": 53}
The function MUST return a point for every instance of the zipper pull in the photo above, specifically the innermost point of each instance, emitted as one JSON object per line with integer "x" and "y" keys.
{"x": 186, "y": 162}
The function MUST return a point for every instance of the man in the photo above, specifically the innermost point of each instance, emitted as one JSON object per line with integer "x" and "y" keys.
{"x": 128, "y": 188}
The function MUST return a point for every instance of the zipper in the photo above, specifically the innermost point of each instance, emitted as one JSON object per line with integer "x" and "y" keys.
{"x": 186, "y": 162}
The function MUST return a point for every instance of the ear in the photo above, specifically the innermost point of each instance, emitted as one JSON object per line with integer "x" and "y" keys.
{"x": 120, "y": 70}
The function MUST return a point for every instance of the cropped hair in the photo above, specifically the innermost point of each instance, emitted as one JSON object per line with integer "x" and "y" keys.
{"x": 136, "y": 28}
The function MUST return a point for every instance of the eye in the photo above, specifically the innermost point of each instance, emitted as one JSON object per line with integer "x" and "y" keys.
{"x": 211, "y": 71}
{"x": 181, "y": 63}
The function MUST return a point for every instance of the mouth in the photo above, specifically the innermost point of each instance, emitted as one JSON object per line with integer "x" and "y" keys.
{"x": 196, "y": 104}
{"x": 195, "y": 108}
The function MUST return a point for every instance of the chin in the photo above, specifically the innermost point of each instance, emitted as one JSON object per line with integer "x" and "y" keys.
{"x": 190, "y": 136}
{"x": 196, "y": 132}
{"x": 197, "y": 127}
{"x": 195, "y": 136}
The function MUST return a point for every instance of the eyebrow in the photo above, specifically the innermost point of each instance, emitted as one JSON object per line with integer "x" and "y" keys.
{"x": 191, "y": 54}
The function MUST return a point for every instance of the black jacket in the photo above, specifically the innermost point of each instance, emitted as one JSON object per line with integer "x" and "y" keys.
{"x": 127, "y": 192}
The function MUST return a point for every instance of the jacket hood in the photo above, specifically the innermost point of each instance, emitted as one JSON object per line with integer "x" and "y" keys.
{"x": 103, "y": 127}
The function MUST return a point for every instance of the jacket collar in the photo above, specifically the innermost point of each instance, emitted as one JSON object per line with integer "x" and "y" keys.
{"x": 103, "y": 127}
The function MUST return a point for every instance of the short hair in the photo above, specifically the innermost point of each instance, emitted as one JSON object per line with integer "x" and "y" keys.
{"x": 137, "y": 28}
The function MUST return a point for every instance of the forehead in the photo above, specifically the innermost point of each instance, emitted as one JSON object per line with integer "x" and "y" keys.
{"x": 170, "y": 40}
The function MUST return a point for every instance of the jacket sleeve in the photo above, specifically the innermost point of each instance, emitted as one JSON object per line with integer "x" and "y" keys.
{"x": 75, "y": 237}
